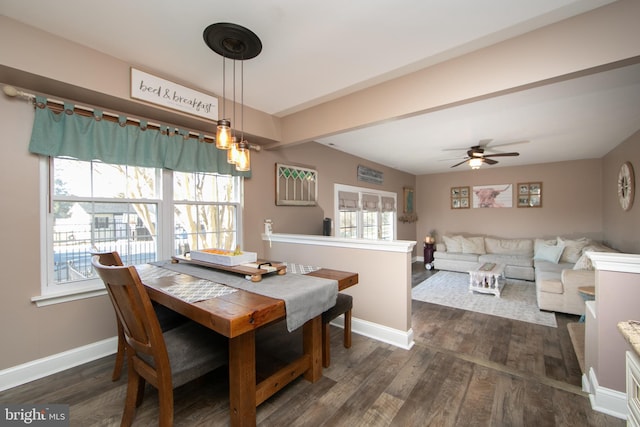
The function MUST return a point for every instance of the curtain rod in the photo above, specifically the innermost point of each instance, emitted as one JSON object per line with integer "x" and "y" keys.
{"x": 58, "y": 106}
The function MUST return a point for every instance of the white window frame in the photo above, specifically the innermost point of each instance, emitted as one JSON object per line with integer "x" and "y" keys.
{"x": 337, "y": 188}
{"x": 59, "y": 293}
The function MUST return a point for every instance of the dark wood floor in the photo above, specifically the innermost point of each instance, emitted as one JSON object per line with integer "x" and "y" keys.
{"x": 465, "y": 369}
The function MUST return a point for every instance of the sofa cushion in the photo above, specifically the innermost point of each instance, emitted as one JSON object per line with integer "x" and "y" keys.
{"x": 522, "y": 261}
{"x": 539, "y": 242}
{"x": 542, "y": 265}
{"x": 572, "y": 249}
{"x": 453, "y": 243}
{"x": 473, "y": 245}
{"x": 457, "y": 256}
{"x": 548, "y": 281}
{"x": 509, "y": 246}
{"x": 573, "y": 279}
{"x": 551, "y": 253}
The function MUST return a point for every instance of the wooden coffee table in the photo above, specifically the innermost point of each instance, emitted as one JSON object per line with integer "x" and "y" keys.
{"x": 485, "y": 278}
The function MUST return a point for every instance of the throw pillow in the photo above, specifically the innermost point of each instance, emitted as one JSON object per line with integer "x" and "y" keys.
{"x": 572, "y": 249}
{"x": 549, "y": 253}
{"x": 539, "y": 242}
{"x": 473, "y": 245}
{"x": 509, "y": 246}
{"x": 584, "y": 262}
{"x": 453, "y": 244}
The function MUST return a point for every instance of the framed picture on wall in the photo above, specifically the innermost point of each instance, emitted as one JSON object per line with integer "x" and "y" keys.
{"x": 460, "y": 197}
{"x": 408, "y": 200}
{"x": 530, "y": 195}
{"x": 493, "y": 196}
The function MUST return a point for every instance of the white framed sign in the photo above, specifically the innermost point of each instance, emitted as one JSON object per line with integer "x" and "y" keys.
{"x": 153, "y": 89}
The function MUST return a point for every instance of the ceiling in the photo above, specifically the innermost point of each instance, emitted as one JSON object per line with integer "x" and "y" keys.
{"x": 318, "y": 51}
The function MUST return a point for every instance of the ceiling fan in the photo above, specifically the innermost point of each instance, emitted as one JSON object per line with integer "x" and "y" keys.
{"x": 476, "y": 154}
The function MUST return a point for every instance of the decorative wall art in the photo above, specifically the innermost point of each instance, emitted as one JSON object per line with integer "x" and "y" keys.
{"x": 155, "y": 90}
{"x": 460, "y": 198}
{"x": 408, "y": 206}
{"x": 296, "y": 186}
{"x": 493, "y": 196}
{"x": 369, "y": 175}
{"x": 530, "y": 195}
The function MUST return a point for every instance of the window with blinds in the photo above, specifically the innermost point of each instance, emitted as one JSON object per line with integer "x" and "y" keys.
{"x": 364, "y": 213}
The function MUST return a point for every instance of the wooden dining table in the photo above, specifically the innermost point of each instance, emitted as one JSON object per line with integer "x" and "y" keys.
{"x": 238, "y": 315}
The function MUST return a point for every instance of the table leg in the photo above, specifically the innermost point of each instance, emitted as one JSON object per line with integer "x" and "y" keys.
{"x": 312, "y": 346}
{"x": 242, "y": 379}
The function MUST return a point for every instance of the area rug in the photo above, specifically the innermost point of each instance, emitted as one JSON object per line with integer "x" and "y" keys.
{"x": 517, "y": 300}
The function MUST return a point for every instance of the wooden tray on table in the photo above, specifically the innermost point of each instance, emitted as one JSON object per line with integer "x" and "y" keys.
{"x": 252, "y": 273}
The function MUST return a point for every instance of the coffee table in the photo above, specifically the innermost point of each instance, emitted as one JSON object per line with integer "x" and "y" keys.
{"x": 485, "y": 278}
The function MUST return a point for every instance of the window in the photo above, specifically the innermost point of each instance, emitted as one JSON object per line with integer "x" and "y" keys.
{"x": 365, "y": 213}
{"x": 145, "y": 214}
{"x": 207, "y": 207}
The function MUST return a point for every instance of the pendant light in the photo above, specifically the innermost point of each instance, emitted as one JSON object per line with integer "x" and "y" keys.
{"x": 237, "y": 43}
{"x": 223, "y": 131}
{"x": 243, "y": 155}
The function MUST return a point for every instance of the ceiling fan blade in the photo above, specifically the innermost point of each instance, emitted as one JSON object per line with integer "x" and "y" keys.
{"x": 458, "y": 164}
{"x": 506, "y": 144}
{"x": 456, "y": 149}
{"x": 489, "y": 161}
{"x": 502, "y": 155}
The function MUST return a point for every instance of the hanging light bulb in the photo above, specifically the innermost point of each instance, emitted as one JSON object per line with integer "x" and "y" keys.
{"x": 223, "y": 131}
{"x": 243, "y": 163}
{"x": 223, "y": 134}
{"x": 233, "y": 153}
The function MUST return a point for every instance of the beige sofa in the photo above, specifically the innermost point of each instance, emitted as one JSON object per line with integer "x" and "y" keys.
{"x": 559, "y": 266}
{"x": 557, "y": 283}
{"x": 462, "y": 253}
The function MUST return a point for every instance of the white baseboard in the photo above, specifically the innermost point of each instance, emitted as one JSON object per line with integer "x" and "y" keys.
{"x": 605, "y": 400}
{"x": 40, "y": 368}
{"x": 378, "y": 332}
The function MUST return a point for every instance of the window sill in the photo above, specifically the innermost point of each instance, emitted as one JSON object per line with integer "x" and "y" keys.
{"x": 70, "y": 295}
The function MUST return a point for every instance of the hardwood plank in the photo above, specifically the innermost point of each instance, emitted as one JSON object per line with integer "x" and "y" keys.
{"x": 478, "y": 401}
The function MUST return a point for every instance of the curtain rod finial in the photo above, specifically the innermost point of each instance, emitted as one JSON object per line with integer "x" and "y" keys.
{"x": 13, "y": 92}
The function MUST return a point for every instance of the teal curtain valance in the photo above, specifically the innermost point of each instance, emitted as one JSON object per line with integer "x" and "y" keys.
{"x": 92, "y": 138}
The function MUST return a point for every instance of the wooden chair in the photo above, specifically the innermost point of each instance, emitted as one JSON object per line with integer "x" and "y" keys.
{"x": 344, "y": 304}
{"x": 168, "y": 318}
{"x": 113, "y": 258}
{"x": 165, "y": 360}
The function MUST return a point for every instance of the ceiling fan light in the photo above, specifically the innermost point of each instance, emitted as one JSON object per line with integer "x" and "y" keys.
{"x": 475, "y": 163}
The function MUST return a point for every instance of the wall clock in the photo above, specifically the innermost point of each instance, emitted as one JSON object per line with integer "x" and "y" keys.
{"x": 626, "y": 185}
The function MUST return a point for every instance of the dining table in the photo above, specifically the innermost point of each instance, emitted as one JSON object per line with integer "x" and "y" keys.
{"x": 228, "y": 306}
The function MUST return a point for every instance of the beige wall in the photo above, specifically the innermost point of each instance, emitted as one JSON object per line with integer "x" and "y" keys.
{"x": 571, "y": 204}
{"x": 27, "y": 332}
{"x": 333, "y": 167}
{"x": 622, "y": 229}
{"x": 382, "y": 295}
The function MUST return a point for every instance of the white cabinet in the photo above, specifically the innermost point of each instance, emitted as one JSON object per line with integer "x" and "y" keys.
{"x": 633, "y": 389}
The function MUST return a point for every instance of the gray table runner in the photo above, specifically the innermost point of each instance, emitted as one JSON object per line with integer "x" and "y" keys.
{"x": 305, "y": 297}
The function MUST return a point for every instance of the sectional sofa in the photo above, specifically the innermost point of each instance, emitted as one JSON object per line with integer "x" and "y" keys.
{"x": 558, "y": 266}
